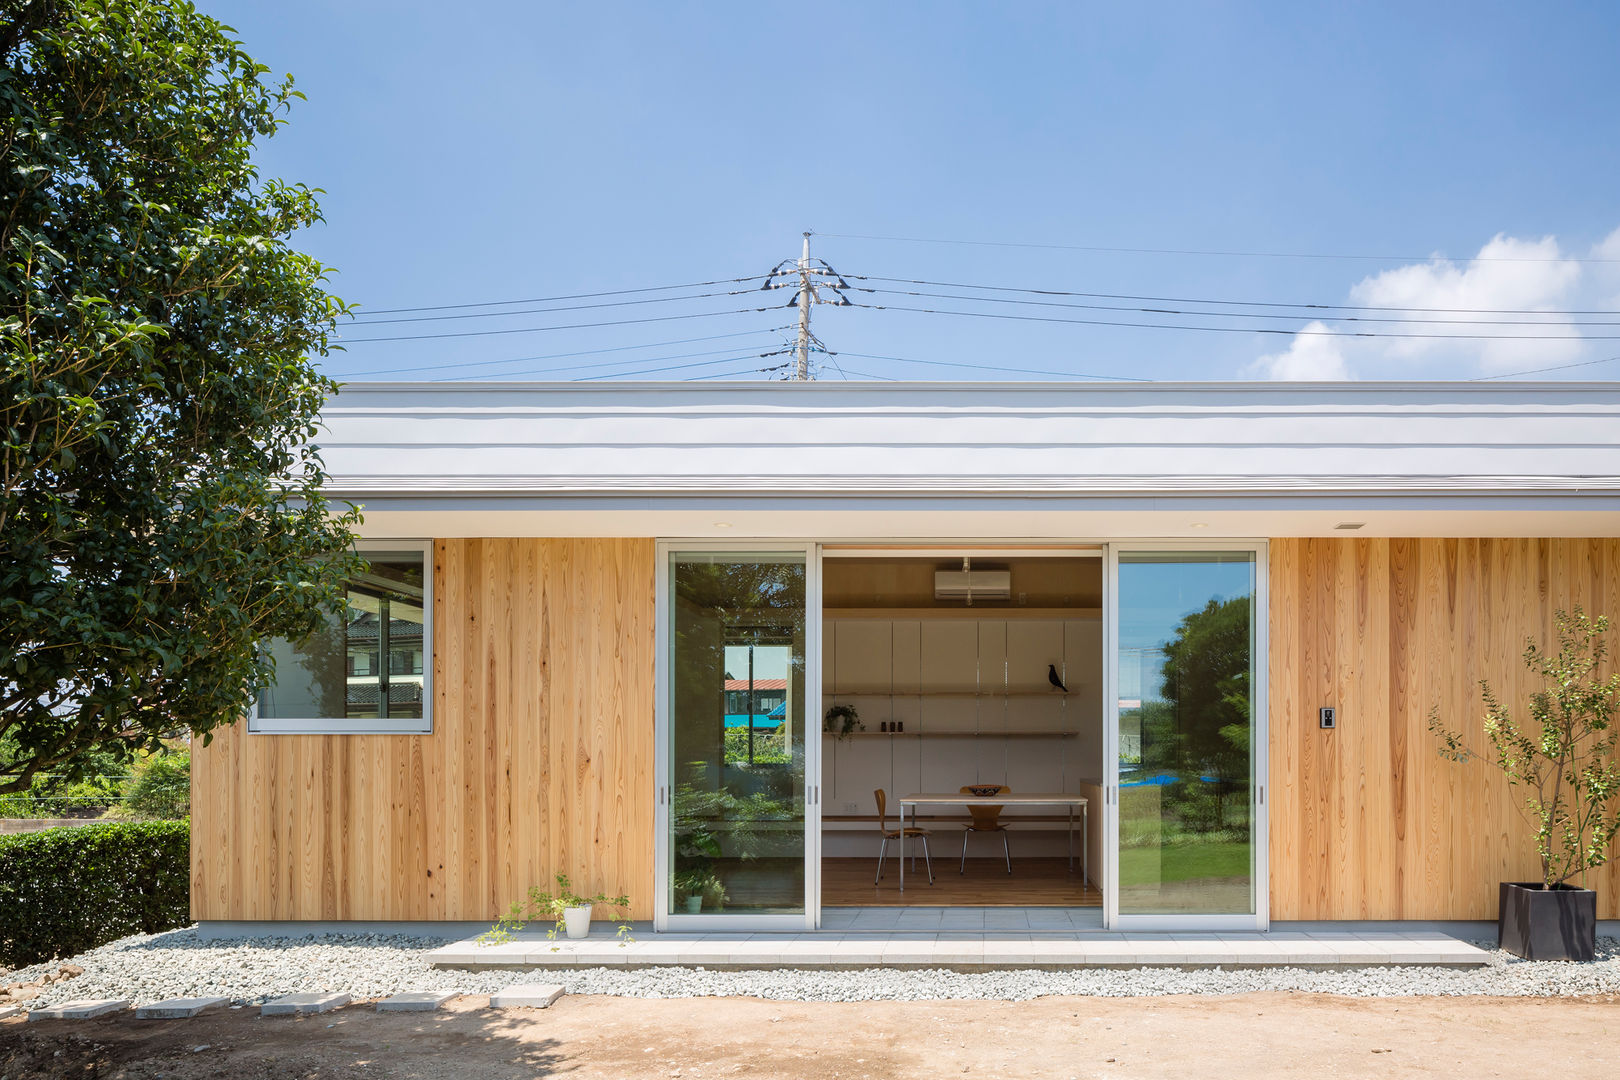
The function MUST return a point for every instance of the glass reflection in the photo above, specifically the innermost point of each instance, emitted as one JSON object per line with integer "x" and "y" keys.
{"x": 1185, "y": 678}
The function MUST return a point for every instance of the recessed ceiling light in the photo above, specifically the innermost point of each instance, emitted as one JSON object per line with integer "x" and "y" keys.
{"x": 1200, "y": 524}
{"x": 1350, "y": 525}
{"x": 722, "y": 524}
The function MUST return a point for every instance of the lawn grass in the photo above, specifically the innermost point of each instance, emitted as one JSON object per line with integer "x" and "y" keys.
{"x": 1183, "y": 862}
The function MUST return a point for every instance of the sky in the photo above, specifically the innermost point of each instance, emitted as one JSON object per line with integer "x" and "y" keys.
{"x": 1452, "y": 165}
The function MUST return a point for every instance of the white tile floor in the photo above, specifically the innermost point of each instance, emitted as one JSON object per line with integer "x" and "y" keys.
{"x": 968, "y": 938}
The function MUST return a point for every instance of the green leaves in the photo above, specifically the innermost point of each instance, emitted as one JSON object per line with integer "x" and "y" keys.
{"x": 1566, "y": 760}
{"x": 161, "y": 509}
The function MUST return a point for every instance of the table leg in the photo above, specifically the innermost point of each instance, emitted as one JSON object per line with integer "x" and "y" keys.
{"x": 902, "y": 847}
{"x": 1085, "y": 844}
{"x": 1071, "y": 838}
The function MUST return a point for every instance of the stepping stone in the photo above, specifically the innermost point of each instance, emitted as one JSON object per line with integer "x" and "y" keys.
{"x": 178, "y": 1008}
{"x": 86, "y": 1009}
{"x": 526, "y": 996}
{"x": 416, "y": 1001}
{"x": 8, "y": 1011}
{"x": 302, "y": 1004}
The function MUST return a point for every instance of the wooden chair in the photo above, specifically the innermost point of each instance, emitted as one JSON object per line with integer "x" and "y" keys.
{"x": 910, "y": 832}
{"x": 985, "y": 819}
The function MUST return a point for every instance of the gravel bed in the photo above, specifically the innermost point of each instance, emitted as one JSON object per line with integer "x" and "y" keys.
{"x": 149, "y": 967}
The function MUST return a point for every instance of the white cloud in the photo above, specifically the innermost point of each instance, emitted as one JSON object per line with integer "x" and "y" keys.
{"x": 1508, "y": 275}
{"x": 1311, "y": 355}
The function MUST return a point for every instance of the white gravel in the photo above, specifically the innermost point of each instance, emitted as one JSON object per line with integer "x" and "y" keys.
{"x": 147, "y": 968}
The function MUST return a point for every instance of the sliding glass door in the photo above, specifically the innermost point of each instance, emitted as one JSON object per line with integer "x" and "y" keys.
{"x": 738, "y": 738}
{"x": 1187, "y": 723}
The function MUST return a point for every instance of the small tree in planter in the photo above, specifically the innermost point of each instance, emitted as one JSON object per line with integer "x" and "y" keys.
{"x": 1565, "y": 762}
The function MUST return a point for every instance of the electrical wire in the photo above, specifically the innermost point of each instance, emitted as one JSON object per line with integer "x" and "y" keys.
{"x": 1239, "y": 329}
{"x": 598, "y": 364}
{"x": 1194, "y": 251}
{"x": 1239, "y": 314}
{"x": 994, "y": 367}
{"x": 1539, "y": 370}
{"x": 1238, "y": 303}
{"x": 547, "y": 311}
{"x": 545, "y": 329}
{"x": 558, "y": 356}
{"x": 672, "y": 367}
{"x": 568, "y": 296}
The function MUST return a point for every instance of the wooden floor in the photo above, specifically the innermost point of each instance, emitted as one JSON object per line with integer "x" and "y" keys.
{"x": 1037, "y": 882}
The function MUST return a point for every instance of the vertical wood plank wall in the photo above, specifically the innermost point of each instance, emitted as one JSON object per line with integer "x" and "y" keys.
{"x": 540, "y": 759}
{"x": 1368, "y": 821}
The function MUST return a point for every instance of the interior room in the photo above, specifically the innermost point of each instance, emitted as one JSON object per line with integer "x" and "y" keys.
{"x": 946, "y": 670}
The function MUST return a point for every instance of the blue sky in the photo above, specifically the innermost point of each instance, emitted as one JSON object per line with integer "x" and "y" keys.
{"x": 497, "y": 151}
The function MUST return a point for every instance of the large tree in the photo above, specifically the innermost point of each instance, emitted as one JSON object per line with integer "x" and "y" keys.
{"x": 162, "y": 506}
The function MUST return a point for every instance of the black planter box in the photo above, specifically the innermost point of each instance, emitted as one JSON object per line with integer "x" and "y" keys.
{"x": 1547, "y": 924}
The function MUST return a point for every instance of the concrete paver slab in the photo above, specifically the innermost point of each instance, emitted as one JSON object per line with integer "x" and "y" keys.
{"x": 303, "y": 1004}
{"x": 83, "y": 1009}
{"x": 178, "y": 1008}
{"x": 526, "y": 996}
{"x": 416, "y": 1001}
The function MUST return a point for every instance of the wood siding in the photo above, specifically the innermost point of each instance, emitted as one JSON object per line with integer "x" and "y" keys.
{"x": 540, "y": 759}
{"x": 1368, "y": 821}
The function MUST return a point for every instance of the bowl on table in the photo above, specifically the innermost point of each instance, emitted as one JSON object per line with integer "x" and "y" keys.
{"x": 984, "y": 791}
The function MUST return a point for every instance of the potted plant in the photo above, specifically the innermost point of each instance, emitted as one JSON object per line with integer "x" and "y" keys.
{"x": 841, "y": 720}
{"x": 565, "y": 909}
{"x": 1565, "y": 763}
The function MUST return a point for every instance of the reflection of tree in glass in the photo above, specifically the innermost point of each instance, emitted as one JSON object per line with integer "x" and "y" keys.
{"x": 1199, "y": 730}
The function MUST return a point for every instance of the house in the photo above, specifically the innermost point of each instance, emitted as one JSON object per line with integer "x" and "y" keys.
{"x": 1188, "y": 635}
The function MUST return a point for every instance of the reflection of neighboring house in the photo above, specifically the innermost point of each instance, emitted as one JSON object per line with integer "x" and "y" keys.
{"x": 367, "y": 675}
{"x": 770, "y": 702}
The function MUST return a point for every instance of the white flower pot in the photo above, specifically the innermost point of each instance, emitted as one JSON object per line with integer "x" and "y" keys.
{"x": 577, "y": 920}
{"x": 694, "y": 904}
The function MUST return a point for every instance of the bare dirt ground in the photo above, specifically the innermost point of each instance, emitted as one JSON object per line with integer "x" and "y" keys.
{"x": 1255, "y": 1037}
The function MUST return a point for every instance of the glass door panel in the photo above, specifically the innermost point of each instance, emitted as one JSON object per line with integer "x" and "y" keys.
{"x": 1186, "y": 685}
{"x": 737, "y": 726}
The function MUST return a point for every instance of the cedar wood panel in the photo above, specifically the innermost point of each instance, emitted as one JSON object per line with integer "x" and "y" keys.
{"x": 1368, "y": 821}
{"x": 540, "y": 759}
{"x": 542, "y": 750}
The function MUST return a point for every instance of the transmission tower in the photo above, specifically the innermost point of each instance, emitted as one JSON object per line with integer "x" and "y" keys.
{"x": 809, "y": 278}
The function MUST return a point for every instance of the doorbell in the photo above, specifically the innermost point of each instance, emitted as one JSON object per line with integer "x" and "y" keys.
{"x": 1327, "y": 717}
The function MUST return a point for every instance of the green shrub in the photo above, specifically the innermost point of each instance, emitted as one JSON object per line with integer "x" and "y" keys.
{"x": 69, "y": 889}
{"x": 162, "y": 788}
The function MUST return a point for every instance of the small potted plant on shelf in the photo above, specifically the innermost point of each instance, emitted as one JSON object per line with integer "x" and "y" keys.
{"x": 565, "y": 909}
{"x": 1565, "y": 763}
{"x": 692, "y": 888}
{"x": 841, "y": 720}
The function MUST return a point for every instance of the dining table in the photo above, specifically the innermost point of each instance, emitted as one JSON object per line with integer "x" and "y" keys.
{"x": 1005, "y": 798}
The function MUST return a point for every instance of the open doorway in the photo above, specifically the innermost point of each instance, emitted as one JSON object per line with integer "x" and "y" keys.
{"x": 945, "y": 671}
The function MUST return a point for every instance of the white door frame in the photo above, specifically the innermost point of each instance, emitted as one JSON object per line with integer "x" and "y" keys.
{"x": 663, "y": 918}
{"x": 1259, "y": 732}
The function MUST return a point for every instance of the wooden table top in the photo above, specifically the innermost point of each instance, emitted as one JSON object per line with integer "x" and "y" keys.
{"x": 1006, "y": 798}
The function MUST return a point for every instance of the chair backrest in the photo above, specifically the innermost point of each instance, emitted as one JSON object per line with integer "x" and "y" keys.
{"x": 882, "y": 804}
{"x": 985, "y": 817}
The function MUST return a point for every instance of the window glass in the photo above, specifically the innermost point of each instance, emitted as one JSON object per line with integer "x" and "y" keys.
{"x": 338, "y": 673}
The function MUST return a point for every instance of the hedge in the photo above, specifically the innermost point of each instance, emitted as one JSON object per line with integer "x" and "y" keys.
{"x": 69, "y": 889}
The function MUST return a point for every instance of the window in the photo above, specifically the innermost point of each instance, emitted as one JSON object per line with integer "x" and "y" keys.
{"x": 337, "y": 680}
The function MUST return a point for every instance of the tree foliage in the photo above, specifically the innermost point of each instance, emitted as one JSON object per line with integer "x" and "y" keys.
{"x": 1564, "y": 759}
{"x": 162, "y": 505}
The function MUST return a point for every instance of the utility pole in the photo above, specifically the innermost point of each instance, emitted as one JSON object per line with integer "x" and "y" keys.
{"x": 801, "y": 351}
{"x": 808, "y": 277}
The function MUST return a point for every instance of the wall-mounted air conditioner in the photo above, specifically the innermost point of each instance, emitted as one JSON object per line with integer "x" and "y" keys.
{"x": 971, "y": 585}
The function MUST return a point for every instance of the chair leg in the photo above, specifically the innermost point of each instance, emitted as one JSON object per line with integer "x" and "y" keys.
{"x": 965, "y": 834}
{"x": 928, "y": 862}
{"x": 882, "y": 848}
{"x": 1006, "y": 850}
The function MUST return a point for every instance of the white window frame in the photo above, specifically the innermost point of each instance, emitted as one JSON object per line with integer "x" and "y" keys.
{"x": 393, "y": 725}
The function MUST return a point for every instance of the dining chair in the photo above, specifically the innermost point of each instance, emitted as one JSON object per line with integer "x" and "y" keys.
{"x": 985, "y": 819}
{"x": 910, "y": 833}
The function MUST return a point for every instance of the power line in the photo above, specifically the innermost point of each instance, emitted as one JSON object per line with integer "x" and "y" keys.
{"x": 1238, "y": 303}
{"x": 672, "y": 367}
{"x": 546, "y": 311}
{"x": 568, "y": 296}
{"x": 598, "y": 364}
{"x": 557, "y": 356}
{"x": 1539, "y": 370}
{"x": 1193, "y": 251}
{"x": 1292, "y": 317}
{"x": 544, "y": 329}
{"x": 1240, "y": 329}
{"x": 994, "y": 367}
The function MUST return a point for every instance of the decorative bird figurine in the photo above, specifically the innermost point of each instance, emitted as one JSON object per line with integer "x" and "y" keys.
{"x": 1052, "y": 677}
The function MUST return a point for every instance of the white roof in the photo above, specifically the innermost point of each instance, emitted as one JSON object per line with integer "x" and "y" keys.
{"x": 640, "y": 445}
